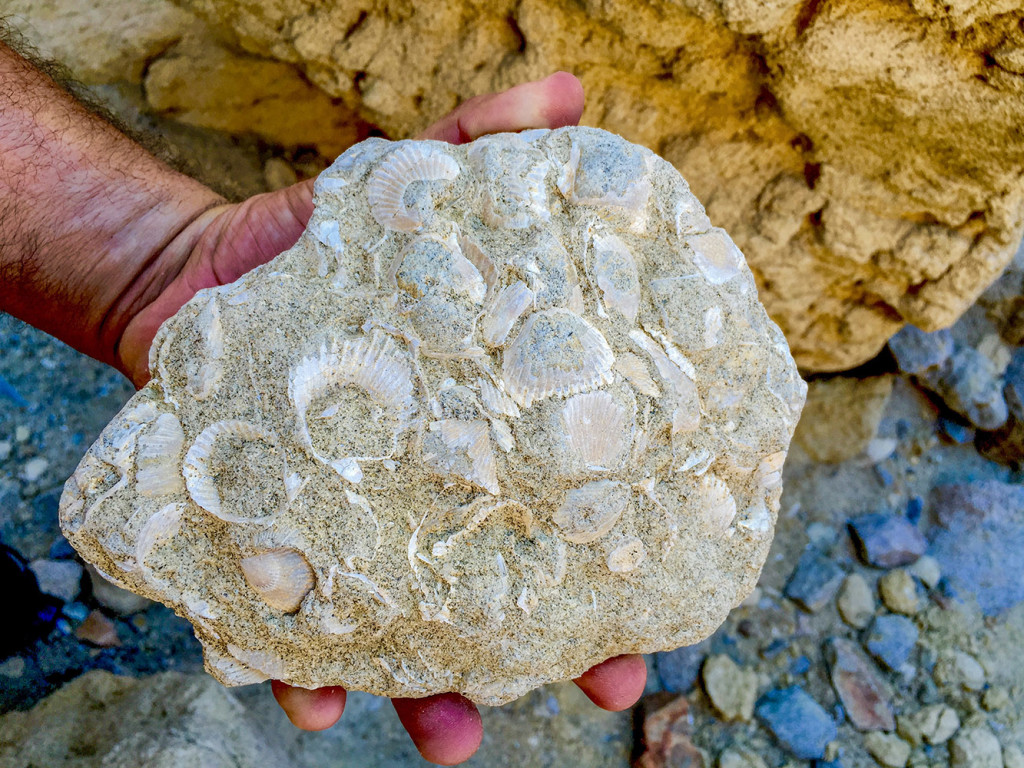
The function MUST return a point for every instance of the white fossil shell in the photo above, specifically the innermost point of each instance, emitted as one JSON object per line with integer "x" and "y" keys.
{"x": 270, "y": 664}
{"x": 502, "y": 434}
{"x": 216, "y": 465}
{"x": 628, "y": 555}
{"x": 557, "y": 352}
{"x": 516, "y": 195}
{"x": 757, "y": 520}
{"x": 158, "y": 459}
{"x": 204, "y": 378}
{"x": 636, "y": 373}
{"x": 353, "y": 399}
{"x": 281, "y": 577}
{"x": 588, "y": 513}
{"x": 163, "y": 525}
{"x": 598, "y": 430}
{"x": 509, "y": 305}
{"x": 463, "y": 449}
{"x": 600, "y": 174}
{"x": 712, "y": 327}
{"x": 483, "y": 263}
{"x": 496, "y": 401}
{"x": 399, "y": 190}
{"x": 677, "y": 374}
{"x": 550, "y": 272}
{"x": 718, "y": 504}
{"x": 230, "y": 670}
{"x": 769, "y": 470}
{"x": 716, "y": 255}
{"x": 616, "y": 275}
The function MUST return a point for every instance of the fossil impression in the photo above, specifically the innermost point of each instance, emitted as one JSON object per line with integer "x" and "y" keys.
{"x": 504, "y": 411}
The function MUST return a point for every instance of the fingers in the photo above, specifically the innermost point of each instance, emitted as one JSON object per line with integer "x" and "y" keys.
{"x": 555, "y": 101}
{"x": 615, "y": 684}
{"x": 310, "y": 710}
{"x": 446, "y": 728}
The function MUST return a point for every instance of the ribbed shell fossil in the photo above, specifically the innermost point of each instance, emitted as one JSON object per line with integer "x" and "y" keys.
{"x": 504, "y": 411}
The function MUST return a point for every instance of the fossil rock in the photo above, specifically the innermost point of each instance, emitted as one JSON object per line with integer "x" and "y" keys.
{"x": 504, "y": 411}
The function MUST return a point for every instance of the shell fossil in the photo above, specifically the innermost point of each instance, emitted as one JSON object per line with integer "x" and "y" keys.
{"x": 504, "y": 410}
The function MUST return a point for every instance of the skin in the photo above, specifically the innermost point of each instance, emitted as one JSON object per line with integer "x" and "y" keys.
{"x": 100, "y": 242}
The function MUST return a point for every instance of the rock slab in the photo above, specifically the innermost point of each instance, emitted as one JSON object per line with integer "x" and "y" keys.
{"x": 518, "y": 394}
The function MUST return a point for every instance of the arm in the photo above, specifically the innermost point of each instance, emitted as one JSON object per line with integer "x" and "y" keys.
{"x": 100, "y": 242}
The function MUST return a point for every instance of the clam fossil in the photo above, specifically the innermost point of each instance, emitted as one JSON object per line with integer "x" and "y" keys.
{"x": 281, "y": 577}
{"x": 495, "y": 397}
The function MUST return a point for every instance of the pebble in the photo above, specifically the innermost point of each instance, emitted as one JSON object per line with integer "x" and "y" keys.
{"x": 13, "y": 667}
{"x": 61, "y": 549}
{"x": 926, "y": 570}
{"x": 34, "y": 468}
{"x": 814, "y": 581}
{"x": 971, "y": 386}
{"x": 916, "y": 351}
{"x": 995, "y": 699}
{"x": 934, "y": 724}
{"x": 110, "y": 596}
{"x": 860, "y": 686}
{"x": 278, "y": 174}
{"x": 891, "y": 639}
{"x": 21, "y": 434}
{"x": 60, "y": 578}
{"x": 667, "y": 737}
{"x": 5, "y": 449}
{"x": 899, "y": 592}
{"x": 959, "y": 669}
{"x": 1013, "y": 756}
{"x": 887, "y": 541}
{"x": 731, "y": 688}
{"x": 975, "y": 747}
{"x": 888, "y": 749}
{"x": 740, "y": 758}
{"x": 799, "y": 723}
{"x": 75, "y": 611}
{"x": 856, "y": 601}
{"x": 98, "y": 630}
{"x": 881, "y": 448}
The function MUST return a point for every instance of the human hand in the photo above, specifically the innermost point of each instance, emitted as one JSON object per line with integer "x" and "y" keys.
{"x": 230, "y": 240}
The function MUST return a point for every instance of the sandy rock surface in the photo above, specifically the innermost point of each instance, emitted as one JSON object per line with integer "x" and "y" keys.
{"x": 505, "y": 410}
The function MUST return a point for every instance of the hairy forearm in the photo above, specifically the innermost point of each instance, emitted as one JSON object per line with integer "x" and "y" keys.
{"x": 92, "y": 226}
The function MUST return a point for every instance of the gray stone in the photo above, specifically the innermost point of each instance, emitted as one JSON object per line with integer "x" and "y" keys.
{"x": 926, "y": 570}
{"x": 900, "y": 592}
{"x": 970, "y": 385}
{"x": 740, "y": 758}
{"x": 887, "y": 541}
{"x": 864, "y": 693}
{"x": 979, "y": 541}
{"x": 891, "y": 639}
{"x": 957, "y": 669}
{"x": 996, "y": 698}
{"x": 814, "y": 581}
{"x": 731, "y": 688}
{"x": 856, "y": 602}
{"x": 680, "y": 668}
{"x": 1013, "y": 756}
{"x": 888, "y": 749}
{"x": 975, "y": 747}
{"x": 917, "y": 351}
{"x": 34, "y": 468}
{"x": 1007, "y": 443}
{"x": 60, "y": 578}
{"x": 842, "y": 415}
{"x": 799, "y": 722}
{"x": 451, "y": 401}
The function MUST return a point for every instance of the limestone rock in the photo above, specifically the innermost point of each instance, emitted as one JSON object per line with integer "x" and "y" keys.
{"x": 864, "y": 154}
{"x": 505, "y": 410}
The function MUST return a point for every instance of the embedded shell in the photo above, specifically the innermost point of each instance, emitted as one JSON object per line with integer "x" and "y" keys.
{"x": 504, "y": 411}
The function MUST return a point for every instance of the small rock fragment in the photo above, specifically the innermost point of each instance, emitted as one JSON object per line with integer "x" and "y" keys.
{"x": 278, "y": 174}
{"x": 975, "y": 747}
{"x": 1013, "y": 756}
{"x": 731, "y": 688}
{"x": 667, "y": 738}
{"x": 959, "y": 669}
{"x": 814, "y": 582}
{"x": 98, "y": 630}
{"x": 740, "y": 758}
{"x": 926, "y": 570}
{"x": 60, "y": 578}
{"x": 934, "y": 724}
{"x": 899, "y": 592}
{"x": 971, "y": 385}
{"x": 5, "y": 449}
{"x": 679, "y": 669}
{"x": 888, "y": 749}
{"x": 887, "y": 541}
{"x": 996, "y": 698}
{"x": 891, "y": 639}
{"x": 22, "y": 433}
{"x": 34, "y": 468}
{"x": 917, "y": 351}
{"x": 112, "y": 597}
{"x": 856, "y": 602}
{"x": 13, "y": 667}
{"x": 841, "y": 416}
{"x": 861, "y": 688}
{"x": 799, "y": 722}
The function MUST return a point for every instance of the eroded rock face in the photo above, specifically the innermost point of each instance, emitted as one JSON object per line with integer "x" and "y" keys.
{"x": 504, "y": 411}
{"x": 865, "y": 155}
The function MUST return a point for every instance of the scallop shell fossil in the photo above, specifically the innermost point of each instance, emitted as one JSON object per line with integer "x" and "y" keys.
{"x": 504, "y": 410}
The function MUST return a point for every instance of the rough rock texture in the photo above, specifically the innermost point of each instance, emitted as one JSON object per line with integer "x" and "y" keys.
{"x": 499, "y": 408}
{"x": 865, "y": 155}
